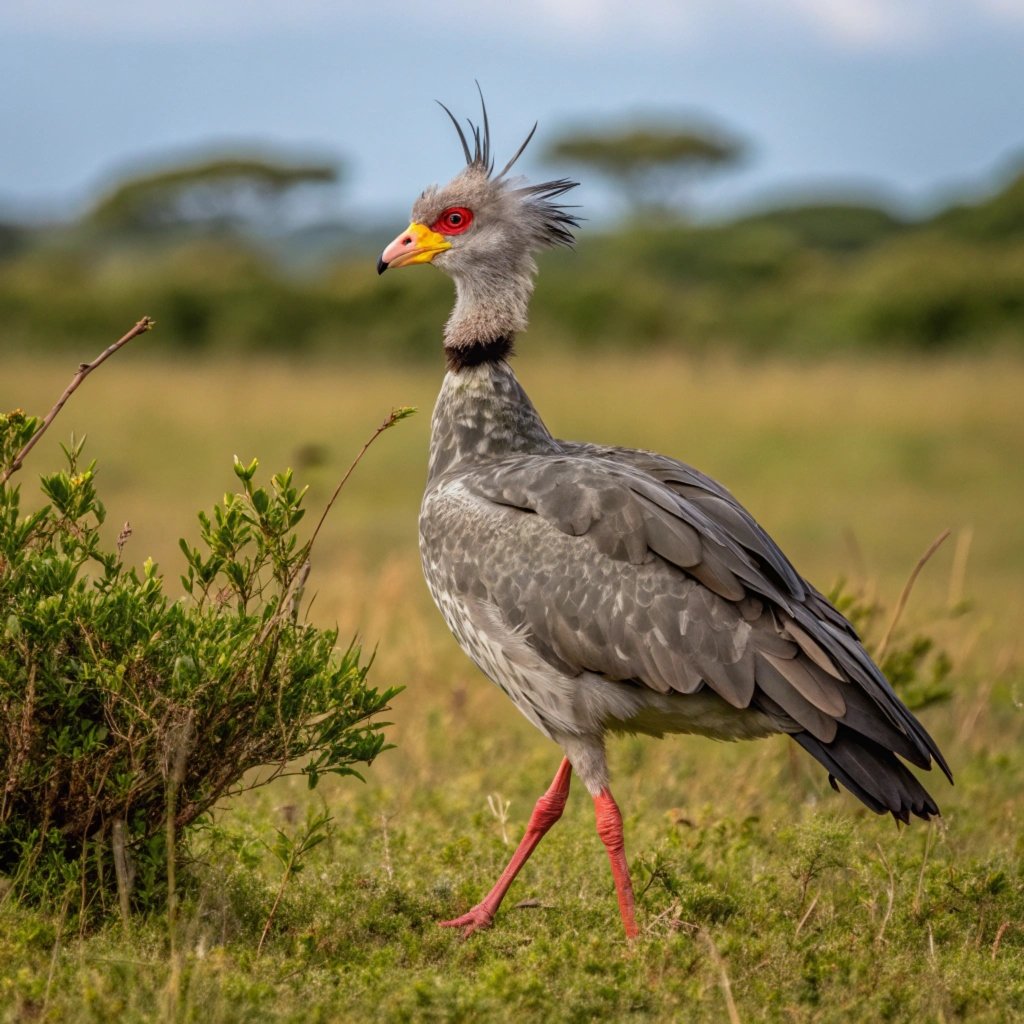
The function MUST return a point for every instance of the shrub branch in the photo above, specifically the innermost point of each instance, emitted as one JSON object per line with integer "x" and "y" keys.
{"x": 393, "y": 417}
{"x": 84, "y": 369}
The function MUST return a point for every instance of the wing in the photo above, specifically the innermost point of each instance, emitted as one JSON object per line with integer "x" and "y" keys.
{"x": 731, "y": 518}
{"x": 639, "y": 568}
{"x": 816, "y": 625}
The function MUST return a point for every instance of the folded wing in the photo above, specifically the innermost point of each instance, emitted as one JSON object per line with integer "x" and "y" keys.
{"x": 640, "y": 569}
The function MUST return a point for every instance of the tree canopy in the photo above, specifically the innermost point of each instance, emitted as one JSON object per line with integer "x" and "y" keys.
{"x": 994, "y": 218}
{"x": 651, "y": 165}
{"x": 225, "y": 191}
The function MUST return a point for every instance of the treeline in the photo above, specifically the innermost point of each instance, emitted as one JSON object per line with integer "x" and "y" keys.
{"x": 805, "y": 278}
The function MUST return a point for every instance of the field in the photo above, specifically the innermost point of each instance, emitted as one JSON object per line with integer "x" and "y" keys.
{"x": 763, "y": 895}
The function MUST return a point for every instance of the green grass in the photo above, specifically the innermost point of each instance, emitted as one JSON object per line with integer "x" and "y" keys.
{"x": 756, "y": 879}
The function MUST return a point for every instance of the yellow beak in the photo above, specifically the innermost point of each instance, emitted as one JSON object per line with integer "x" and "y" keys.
{"x": 416, "y": 244}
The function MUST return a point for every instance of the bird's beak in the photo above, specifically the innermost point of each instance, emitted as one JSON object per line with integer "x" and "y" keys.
{"x": 416, "y": 244}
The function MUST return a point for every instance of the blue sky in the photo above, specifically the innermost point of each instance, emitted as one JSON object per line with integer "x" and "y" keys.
{"x": 908, "y": 99}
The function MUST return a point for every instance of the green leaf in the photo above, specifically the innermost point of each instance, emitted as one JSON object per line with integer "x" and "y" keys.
{"x": 243, "y": 472}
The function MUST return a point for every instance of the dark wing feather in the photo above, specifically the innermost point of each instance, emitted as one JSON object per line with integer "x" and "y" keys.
{"x": 872, "y": 773}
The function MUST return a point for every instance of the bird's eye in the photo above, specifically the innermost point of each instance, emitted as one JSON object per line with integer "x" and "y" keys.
{"x": 453, "y": 221}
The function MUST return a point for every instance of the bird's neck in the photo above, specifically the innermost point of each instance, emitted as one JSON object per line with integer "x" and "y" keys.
{"x": 483, "y": 413}
{"x": 491, "y": 306}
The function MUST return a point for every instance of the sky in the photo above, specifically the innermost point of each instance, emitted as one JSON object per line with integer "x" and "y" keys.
{"x": 911, "y": 101}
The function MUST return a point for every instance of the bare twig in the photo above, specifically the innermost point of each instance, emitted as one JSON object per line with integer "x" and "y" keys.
{"x": 929, "y": 838}
{"x": 122, "y": 537}
{"x": 807, "y": 914}
{"x": 315, "y": 832}
{"x": 287, "y": 606}
{"x": 907, "y": 587}
{"x": 121, "y": 872}
{"x": 393, "y": 417}
{"x": 84, "y": 369}
{"x": 498, "y": 806}
{"x": 179, "y": 744}
{"x": 289, "y": 600}
{"x": 890, "y": 895}
{"x": 723, "y": 978}
{"x": 958, "y": 572}
{"x": 273, "y": 910}
{"x": 999, "y": 938}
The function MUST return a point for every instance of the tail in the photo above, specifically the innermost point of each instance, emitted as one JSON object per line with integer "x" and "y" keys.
{"x": 872, "y": 773}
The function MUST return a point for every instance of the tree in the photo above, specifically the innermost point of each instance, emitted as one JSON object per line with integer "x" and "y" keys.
{"x": 222, "y": 192}
{"x": 998, "y": 217}
{"x": 652, "y": 165}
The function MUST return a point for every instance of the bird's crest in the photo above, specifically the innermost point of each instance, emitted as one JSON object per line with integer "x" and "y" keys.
{"x": 558, "y": 220}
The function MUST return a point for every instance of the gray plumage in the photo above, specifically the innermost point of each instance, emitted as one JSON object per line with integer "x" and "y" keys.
{"x": 606, "y": 589}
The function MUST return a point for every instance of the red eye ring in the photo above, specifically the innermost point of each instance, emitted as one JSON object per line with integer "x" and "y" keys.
{"x": 453, "y": 221}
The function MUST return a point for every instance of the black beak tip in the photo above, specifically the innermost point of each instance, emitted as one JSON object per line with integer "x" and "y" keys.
{"x": 381, "y": 266}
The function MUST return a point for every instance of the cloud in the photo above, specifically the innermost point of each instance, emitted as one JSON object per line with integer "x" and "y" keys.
{"x": 849, "y": 24}
{"x": 196, "y": 18}
{"x": 1005, "y": 10}
{"x": 845, "y": 24}
{"x": 864, "y": 24}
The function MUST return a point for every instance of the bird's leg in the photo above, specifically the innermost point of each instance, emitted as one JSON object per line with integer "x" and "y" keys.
{"x": 609, "y": 828}
{"x": 546, "y": 812}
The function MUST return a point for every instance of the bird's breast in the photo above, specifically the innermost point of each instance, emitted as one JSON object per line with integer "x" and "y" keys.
{"x": 545, "y": 695}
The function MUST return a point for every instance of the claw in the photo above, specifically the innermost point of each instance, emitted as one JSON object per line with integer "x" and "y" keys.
{"x": 475, "y": 920}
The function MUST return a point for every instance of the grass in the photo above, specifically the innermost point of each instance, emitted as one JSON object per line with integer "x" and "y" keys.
{"x": 764, "y": 895}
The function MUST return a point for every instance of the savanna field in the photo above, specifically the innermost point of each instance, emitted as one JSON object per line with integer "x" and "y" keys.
{"x": 762, "y": 894}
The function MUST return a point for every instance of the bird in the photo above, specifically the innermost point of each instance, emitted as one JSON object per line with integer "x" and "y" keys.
{"x": 605, "y": 589}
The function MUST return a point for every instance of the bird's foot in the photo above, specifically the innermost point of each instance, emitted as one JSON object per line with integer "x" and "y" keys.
{"x": 476, "y": 919}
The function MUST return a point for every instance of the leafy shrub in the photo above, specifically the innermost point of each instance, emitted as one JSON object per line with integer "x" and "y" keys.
{"x": 126, "y": 715}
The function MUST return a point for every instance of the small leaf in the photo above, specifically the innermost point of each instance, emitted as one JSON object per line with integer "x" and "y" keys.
{"x": 244, "y": 472}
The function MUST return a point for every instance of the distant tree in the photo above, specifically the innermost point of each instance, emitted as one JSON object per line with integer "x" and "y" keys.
{"x": 223, "y": 192}
{"x": 13, "y": 239}
{"x": 652, "y": 166}
{"x": 835, "y": 226}
{"x": 998, "y": 217}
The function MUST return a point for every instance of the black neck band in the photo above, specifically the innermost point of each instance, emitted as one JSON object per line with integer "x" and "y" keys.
{"x": 463, "y": 356}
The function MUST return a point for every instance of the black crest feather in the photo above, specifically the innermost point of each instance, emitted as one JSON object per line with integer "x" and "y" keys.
{"x": 559, "y": 221}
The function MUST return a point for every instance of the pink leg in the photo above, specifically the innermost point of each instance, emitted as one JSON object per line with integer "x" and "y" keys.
{"x": 609, "y": 828}
{"x": 546, "y": 812}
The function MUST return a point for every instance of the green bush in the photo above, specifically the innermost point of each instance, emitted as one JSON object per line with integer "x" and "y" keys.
{"x": 126, "y": 715}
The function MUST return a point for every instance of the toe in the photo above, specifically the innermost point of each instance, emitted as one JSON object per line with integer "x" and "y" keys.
{"x": 473, "y": 921}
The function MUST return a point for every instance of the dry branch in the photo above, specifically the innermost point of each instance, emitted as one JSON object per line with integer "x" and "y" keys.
{"x": 84, "y": 369}
{"x": 393, "y": 417}
{"x": 905, "y": 593}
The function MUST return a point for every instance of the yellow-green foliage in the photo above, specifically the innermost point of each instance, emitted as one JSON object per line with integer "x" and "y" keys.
{"x": 126, "y": 714}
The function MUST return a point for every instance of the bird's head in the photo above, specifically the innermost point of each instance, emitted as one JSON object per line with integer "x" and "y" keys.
{"x": 483, "y": 226}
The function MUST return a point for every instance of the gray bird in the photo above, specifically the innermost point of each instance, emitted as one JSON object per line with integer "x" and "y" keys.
{"x": 612, "y": 590}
